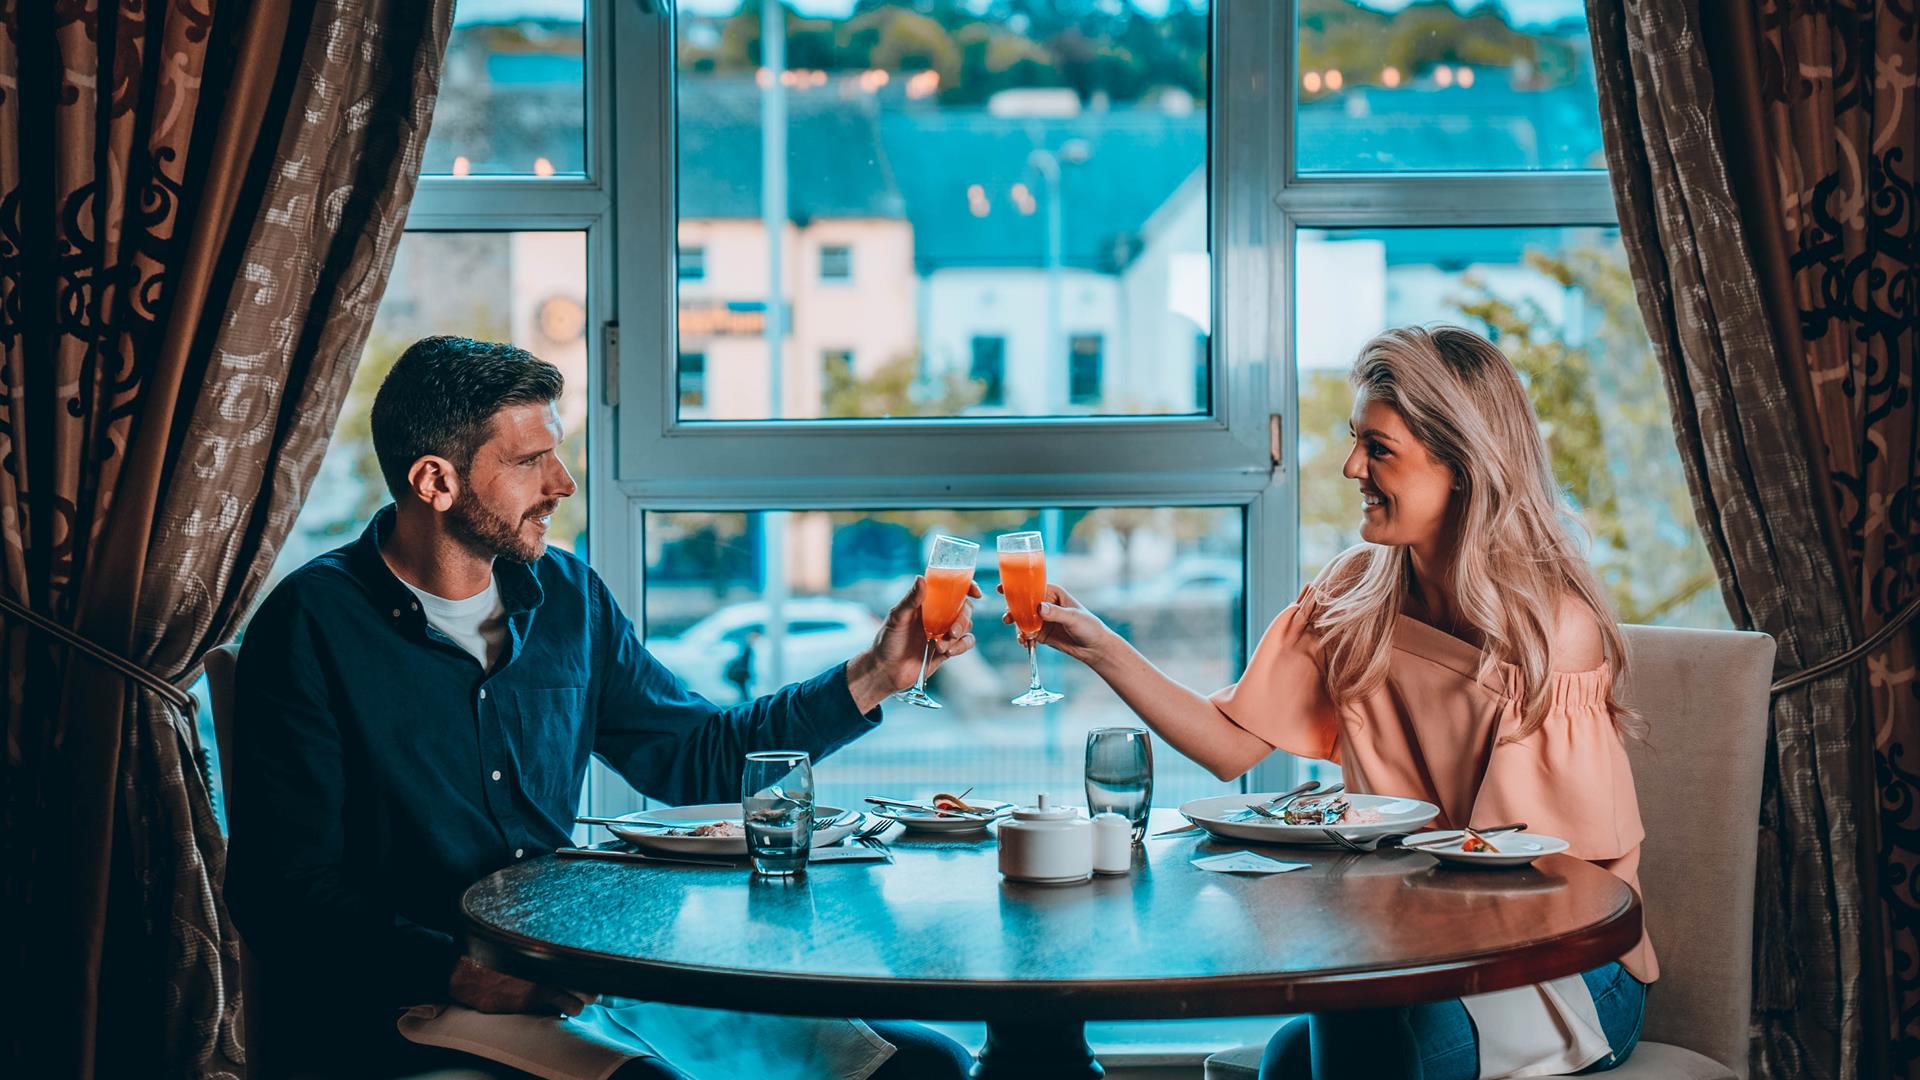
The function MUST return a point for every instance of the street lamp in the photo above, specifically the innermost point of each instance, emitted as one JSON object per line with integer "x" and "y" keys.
{"x": 1047, "y": 163}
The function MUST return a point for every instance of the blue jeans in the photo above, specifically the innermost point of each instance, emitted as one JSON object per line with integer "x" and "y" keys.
{"x": 1434, "y": 1041}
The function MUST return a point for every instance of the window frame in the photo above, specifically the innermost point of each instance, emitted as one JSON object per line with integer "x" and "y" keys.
{"x": 1241, "y": 452}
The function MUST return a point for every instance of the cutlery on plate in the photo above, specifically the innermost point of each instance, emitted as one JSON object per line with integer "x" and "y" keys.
{"x": 1273, "y": 809}
{"x": 926, "y": 809}
{"x": 1518, "y": 826}
{"x": 618, "y": 855}
{"x": 690, "y": 823}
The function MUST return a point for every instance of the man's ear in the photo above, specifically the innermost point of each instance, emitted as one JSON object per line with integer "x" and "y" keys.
{"x": 434, "y": 481}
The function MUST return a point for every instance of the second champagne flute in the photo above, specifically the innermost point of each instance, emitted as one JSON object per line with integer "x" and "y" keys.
{"x": 949, "y": 574}
{"x": 1023, "y": 577}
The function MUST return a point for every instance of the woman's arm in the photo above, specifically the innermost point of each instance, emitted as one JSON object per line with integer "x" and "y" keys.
{"x": 1185, "y": 719}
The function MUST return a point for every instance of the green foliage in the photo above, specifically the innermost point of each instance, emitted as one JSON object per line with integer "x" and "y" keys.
{"x": 1602, "y": 409}
{"x": 1361, "y": 43}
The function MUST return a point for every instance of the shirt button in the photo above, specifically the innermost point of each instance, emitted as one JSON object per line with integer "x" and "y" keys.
{"x": 396, "y": 613}
{"x": 415, "y": 605}
{"x": 483, "y": 693}
{"x": 519, "y": 853}
{"x": 496, "y": 774}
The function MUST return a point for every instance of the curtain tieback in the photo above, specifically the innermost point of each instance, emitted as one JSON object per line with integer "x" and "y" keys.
{"x": 179, "y": 698}
{"x": 1826, "y": 667}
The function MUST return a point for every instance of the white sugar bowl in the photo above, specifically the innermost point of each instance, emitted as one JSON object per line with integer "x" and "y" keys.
{"x": 1046, "y": 844}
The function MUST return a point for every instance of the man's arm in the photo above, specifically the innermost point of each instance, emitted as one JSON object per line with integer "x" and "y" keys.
{"x": 287, "y": 881}
{"x": 675, "y": 745}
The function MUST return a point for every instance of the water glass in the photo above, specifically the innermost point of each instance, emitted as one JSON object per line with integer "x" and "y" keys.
{"x": 1120, "y": 774}
{"x": 776, "y": 797}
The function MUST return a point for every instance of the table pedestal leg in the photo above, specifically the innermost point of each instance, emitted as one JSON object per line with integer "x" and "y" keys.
{"x": 1037, "y": 1051}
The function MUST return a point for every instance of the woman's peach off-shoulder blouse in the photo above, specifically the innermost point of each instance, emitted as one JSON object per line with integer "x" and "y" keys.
{"x": 1431, "y": 731}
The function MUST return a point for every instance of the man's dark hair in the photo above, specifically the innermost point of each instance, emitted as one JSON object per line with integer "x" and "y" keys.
{"x": 441, "y": 396}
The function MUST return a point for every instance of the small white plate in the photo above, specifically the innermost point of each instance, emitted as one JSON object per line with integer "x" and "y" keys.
{"x": 655, "y": 838}
{"x": 1217, "y": 815}
{"x": 1515, "y": 849}
{"x": 919, "y": 821}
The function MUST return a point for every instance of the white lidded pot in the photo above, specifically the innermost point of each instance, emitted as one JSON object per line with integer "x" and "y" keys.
{"x": 1046, "y": 844}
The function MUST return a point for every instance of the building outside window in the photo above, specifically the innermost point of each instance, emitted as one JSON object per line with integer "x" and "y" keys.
{"x": 836, "y": 263}
{"x": 693, "y": 380}
{"x": 988, "y": 369}
{"x": 692, "y": 264}
{"x": 1085, "y": 358}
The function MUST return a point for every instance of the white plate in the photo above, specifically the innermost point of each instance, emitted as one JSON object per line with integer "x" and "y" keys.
{"x": 1215, "y": 815}
{"x": 656, "y": 839}
{"x": 918, "y": 821}
{"x": 1516, "y": 849}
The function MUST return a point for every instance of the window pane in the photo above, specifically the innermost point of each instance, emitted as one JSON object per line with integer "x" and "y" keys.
{"x": 1168, "y": 579}
{"x": 513, "y": 91}
{"x": 977, "y": 172}
{"x": 1560, "y": 303}
{"x": 1446, "y": 85}
{"x": 527, "y": 288}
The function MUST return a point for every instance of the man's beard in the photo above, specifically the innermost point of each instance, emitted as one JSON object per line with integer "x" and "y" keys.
{"x": 487, "y": 533}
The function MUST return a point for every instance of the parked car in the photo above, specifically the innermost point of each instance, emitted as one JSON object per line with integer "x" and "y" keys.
{"x": 819, "y": 633}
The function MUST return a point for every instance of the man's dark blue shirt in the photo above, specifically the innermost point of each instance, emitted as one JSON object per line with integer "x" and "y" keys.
{"x": 380, "y": 771}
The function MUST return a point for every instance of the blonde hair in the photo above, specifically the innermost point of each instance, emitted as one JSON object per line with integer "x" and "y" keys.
{"x": 1515, "y": 555}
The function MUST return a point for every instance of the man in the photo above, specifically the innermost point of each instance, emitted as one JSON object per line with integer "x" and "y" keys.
{"x": 416, "y": 710}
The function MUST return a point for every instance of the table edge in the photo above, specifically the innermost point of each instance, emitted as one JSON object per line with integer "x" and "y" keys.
{"x": 1102, "y": 999}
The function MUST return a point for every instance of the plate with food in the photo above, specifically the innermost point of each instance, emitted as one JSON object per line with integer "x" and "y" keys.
{"x": 1457, "y": 848}
{"x": 943, "y": 812}
{"x": 716, "y": 829}
{"x": 1305, "y": 821}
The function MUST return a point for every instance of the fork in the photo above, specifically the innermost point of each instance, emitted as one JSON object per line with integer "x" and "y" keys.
{"x": 1399, "y": 840}
{"x": 1272, "y": 810}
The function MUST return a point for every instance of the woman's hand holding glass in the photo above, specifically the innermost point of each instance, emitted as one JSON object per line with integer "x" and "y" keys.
{"x": 1067, "y": 626}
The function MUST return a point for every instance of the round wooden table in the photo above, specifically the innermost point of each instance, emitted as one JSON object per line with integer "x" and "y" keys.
{"x": 938, "y": 935}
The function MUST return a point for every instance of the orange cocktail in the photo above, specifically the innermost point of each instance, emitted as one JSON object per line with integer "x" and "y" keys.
{"x": 945, "y": 594}
{"x": 1023, "y": 575}
{"x": 1023, "y": 578}
{"x": 949, "y": 579}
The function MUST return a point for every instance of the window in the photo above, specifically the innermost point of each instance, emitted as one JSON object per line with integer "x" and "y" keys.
{"x": 836, "y": 263}
{"x": 692, "y": 264}
{"x": 513, "y": 91}
{"x": 988, "y": 370}
{"x": 693, "y": 380}
{"x": 1037, "y": 169}
{"x": 1043, "y": 318}
{"x": 1083, "y": 369}
{"x": 1446, "y": 87}
{"x": 1169, "y": 579}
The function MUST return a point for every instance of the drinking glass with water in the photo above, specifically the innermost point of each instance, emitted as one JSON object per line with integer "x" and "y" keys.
{"x": 1120, "y": 774}
{"x": 776, "y": 796}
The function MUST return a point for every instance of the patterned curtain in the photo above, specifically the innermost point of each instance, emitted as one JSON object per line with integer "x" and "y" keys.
{"x": 1763, "y": 161}
{"x": 199, "y": 203}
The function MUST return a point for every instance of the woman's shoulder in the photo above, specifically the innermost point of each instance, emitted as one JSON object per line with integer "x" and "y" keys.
{"x": 1343, "y": 572}
{"x": 1578, "y": 646}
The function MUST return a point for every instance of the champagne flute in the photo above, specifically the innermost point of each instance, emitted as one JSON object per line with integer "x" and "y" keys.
{"x": 949, "y": 575}
{"x": 1023, "y": 577}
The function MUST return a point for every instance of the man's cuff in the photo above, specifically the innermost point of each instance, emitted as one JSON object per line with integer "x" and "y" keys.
{"x": 835, "y": 717}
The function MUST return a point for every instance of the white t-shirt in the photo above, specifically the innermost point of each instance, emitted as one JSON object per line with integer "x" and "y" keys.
{"x": 477, "y": 624}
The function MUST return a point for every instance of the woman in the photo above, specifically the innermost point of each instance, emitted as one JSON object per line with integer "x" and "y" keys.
{"x": 1470, "y": 597}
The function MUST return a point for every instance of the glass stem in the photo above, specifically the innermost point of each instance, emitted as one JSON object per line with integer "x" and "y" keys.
{"x": 1033, "y": 666}
{"x": 926, "y": 651}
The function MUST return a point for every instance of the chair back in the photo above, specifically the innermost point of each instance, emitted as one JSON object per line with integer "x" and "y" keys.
{"x": 1704, "y": 696}
{"x": 220, "y": 663}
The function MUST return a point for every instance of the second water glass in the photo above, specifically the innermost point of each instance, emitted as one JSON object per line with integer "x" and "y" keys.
{"x": 1120, "y": 774}
{"x": 776, "y": 798}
